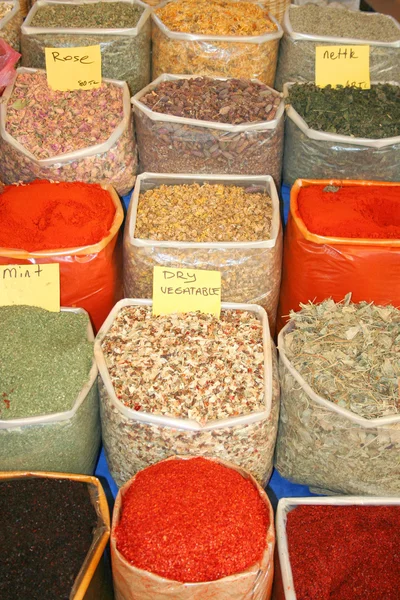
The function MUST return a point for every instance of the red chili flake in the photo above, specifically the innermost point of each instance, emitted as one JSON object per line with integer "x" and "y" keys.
{"x": 192, "y": 520}
{"x": 345, "y": 552}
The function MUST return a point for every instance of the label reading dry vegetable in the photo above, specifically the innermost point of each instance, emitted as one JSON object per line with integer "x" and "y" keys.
{"x": 31, "y": 285}
{"x": 186, "y": 290}
{"x": 342, "y": 65}
{"x": 73, "y": 68}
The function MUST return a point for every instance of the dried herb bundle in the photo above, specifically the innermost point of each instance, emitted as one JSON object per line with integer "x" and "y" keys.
{"x": 349, "y": 354}
{"x": 372, "y": 114}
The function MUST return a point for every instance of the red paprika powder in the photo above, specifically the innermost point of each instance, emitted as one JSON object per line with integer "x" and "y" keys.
{"x": 345, "y": 552}
{"x": 369, "y": 212}
{"x": 191, "y": 521}
{"x": 49, "y": 216}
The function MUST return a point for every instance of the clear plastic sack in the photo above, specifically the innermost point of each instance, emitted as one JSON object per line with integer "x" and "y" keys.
{"x": 113, "y": 162}
{"x": 68, "y": 442}
{"x": 131, "y": 583}
{"x": 296, "y": 60}
{"x": 92, "y": 566}
{"x": 10, "y": 24}
{"x": 134, "y": 440}
{"x": 125, "y": 53}
{"x": 250, "y": 271}
{"x": 276, "y": 8}
{"x": 90, "y": 275}
{"x": 246, "y": 57}
{"x": 315, "y": 154}
{"x": 330, "y": 448}
{"x": 193, "y": 146}
{"x": 8, "y": 59}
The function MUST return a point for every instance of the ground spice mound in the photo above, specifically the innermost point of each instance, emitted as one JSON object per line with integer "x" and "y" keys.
{"x": 46, "y": 532}
{"x": 204, "y": 213}
{"x": 370, "y": 212}
{"x": 216, "y": 17}
{"x": 345, "y": 552}
{"x": 48, "y": 216}
{"x": 192, "y": 365}
{"x": 192, "y": 520}
{"x": 49, "y": 123}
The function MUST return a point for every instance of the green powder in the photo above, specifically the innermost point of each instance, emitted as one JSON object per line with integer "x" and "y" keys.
{"x": 98, "y": 15}
{"x": 45, "y": 360}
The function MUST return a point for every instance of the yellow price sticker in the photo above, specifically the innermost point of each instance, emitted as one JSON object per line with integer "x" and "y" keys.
{"x": 342, "y": 65}
{"x": 31, "y": 285}
{"x": 73, "y": 68}
{"x": 186, "y": 290}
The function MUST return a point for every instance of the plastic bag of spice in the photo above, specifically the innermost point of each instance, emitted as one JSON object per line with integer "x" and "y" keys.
{"x": 321, "y": 155}
{"x": 296, "y": 60}
{"x": 90, "y": 276}
{"x": 254, "y": 583}
{"x": 111, "y": 162}
{"x": 316, "y": 267}
{"x": 125, "y": 51}
{"x": 250, "y": 271}
{"x": 134, "y": 439}
{"x": 10, "y": 23}
{"x": 241, "y": 56}
{"x": 91, "y": 577}
{"x": 8, "y": 60}
{"x": 65, "y": 441}
{"x": 186, "y": 145}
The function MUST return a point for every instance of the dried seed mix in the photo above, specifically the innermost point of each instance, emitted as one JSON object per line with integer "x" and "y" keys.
{"x": 49, "y": 123}
{"x": 46, "y": 532}
{"x": 216, "y": 17}
{"x": 45, "y": 360}
{"x": 234, "y": 101}
{"x": 95, "y": 15}
{"x": 214, "y": 527}
{"x": 191, "y": 366}
{"x": 204, "y": 213}
{"x": 5, "y": 8}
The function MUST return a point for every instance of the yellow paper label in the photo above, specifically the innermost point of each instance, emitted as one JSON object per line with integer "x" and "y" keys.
{"x": 73, "y": 68}
{"x": 186, "y": 290}
{"x": 342, "y": 65}
{"x": 32, "y": 285}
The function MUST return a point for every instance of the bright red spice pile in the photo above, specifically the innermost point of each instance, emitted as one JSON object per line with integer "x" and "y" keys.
{"x": 49, "y": 216}
{"x": 345, "y": 552}
{"x": 370, "y": 212}
{"x": 192, "y": 520}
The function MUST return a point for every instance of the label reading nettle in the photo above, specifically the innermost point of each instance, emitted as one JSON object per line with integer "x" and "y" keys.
{"x": 73, "y": 68}
{"x": 30, "y": 285}
{"x": 342, "y": 65}
{"x": 186, "y": 290}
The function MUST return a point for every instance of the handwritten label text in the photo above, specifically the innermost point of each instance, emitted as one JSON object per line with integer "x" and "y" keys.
{"x": 342, "y": 65}
{"x": 32, "y": 285}
{"x": 73, "y": 68}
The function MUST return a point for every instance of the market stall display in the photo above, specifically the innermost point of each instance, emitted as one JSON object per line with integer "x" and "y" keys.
{"x": 123, "y": 30}
{"x": 234, "y": 416}
{"x": 66, "y": 136}
{"x": 341, "y": 236}
{"x": 306, "y": 27}
{"x": 342, "y": 133}
{"x": 10, "y": 23}
{"x": 209, "y": 125}
{"x": 54, "y": 531}
{"x": 215, "y": 538}
{"x": 229, "y": 224}
{"x": 340, "y": 547}
{"x": 221, "y": 38}
{"x": 339, "y": 424}
{"x": 49, "y": 415}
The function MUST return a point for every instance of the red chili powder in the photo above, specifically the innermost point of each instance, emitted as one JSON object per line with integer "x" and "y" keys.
{"x": 345, "y": 552}
{"x": 370, "y": 212}
{"x": 49, "y": 216}
{"x": 192, "y": 520}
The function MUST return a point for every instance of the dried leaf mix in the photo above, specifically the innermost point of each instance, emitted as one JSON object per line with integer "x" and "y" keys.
{"x": 372, "y": 114}
{"x": 94, "y": 15}
{"x": 216, "y": 17}
{"x": 349, "y": 354}
{"x": 191, "y": 366}
{"x": 204, "y": 213}
{"x": 5, "y": 8}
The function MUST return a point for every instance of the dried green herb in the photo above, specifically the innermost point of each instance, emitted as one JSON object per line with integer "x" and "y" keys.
{"x": 372, "y": 114}
{"x": 97, "y": 15}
